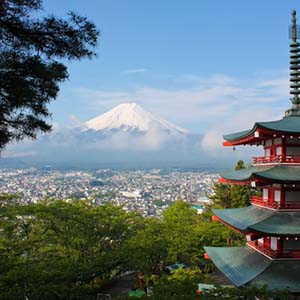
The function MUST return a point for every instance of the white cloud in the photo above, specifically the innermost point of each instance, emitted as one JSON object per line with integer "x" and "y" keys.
{"x": 135, "y": 71}
{"x": 206, "y": 100}
{"x": 17, "y": 154}
{"x": 217, "y": 104}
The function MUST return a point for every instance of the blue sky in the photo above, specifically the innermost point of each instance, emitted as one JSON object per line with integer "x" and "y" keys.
{"x": 208, "y": 66}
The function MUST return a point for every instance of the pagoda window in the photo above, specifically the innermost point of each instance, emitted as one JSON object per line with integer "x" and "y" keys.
{"x": 291, "y": 244}
{"x": 278, "y": 150}
{"x": 293, "y": 141}
{"x": 265, "y": 194}
{"x": 269, "y": 143}
{"x": 274, "y": 243}
{"x": 277, "y": 196}
{"x": 291, "y": 151}
{"x": 267, "y": 152}
{"x": 292, "y": 198}
{"x": 278, "y": 141}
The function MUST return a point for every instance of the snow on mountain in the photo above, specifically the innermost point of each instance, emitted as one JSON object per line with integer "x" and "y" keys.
{"x": 126, "y": 134}
{"x": 132, "y": 117}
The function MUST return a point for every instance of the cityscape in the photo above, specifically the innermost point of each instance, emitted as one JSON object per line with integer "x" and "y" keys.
{"x": 146, "y": 191}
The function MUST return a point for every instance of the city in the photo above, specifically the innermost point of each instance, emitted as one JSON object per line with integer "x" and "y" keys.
{"x": 148, "y": 192}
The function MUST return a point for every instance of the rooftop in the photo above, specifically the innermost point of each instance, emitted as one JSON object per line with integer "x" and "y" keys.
{"x": 256, "y": 219}
{"x": 289, "y": 124}
{"x": 278, "y": 173}
{"x": 246, "y": 267}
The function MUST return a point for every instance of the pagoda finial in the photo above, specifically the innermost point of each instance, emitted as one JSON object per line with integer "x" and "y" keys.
{"x": 294, "y": 27}
{"x": 294, "y": 67}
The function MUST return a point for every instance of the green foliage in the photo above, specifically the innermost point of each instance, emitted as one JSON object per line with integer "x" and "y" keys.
{"x": 183, "y": 284}
{"x": 239, "y": 165}
{"x": 147, "y": 249}
{"x": 178, "y": 237}
{"x": 180, "y": 285}
{"x": 30, "y": 70}
{"x": 230, "y": 195}
{"x": 59, "y": 250}
{"x": 179, "y": 222}
{"x": 54, "y": 250}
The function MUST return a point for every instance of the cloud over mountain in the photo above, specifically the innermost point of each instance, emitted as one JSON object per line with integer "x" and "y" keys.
{"x": 126, "y": 132}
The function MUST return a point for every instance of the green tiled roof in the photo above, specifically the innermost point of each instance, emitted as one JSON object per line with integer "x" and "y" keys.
{"x": 245, "y": 266}
{"x": 284, "y": 274}
{"x": 239, "y": 264}
{"x": 245, "y": 217}
{"x": 287, "y": 174}
{"x": 253, "y": 218}
{"x": 289, "y": 124}
{"x": 281, "y": 223}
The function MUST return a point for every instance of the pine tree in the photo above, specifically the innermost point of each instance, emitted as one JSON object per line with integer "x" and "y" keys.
{"x": 30, "y": 70}
{"x": 230, "y": 195}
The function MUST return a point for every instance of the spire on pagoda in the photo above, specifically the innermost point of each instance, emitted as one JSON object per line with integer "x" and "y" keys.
{"x": 294, "y": 67}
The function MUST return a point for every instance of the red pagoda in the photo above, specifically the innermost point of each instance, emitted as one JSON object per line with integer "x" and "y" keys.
{"x": 271, "y": 223}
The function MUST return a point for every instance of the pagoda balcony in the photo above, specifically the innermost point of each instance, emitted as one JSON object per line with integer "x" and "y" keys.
{"x": 292, "y": 159}
{"x": 260, "y": 201}
{"x": 263, "y": 202}
{"x": 273, "y": 253}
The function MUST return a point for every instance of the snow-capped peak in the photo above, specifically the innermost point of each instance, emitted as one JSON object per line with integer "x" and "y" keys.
{"x": 131, "y": 117}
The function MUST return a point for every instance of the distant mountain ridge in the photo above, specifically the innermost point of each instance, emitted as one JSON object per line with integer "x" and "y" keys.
{"x": 126, "y": 135}
{"x": 131, "y": 117}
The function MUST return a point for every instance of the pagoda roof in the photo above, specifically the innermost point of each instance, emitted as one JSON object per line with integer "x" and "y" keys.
{"x": 247, "y": 267}
{"x": 278, "y": 173}
{"x": 239, "y": 264}
{"x": 281, "y": 275}
{"x": 263, "y": 220}
{"x": 288, "y": 124}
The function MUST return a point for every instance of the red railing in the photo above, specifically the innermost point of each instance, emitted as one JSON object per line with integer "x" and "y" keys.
{"x": 273, "y": 253}
{"x": 276, "y": 159}
{"x": 263, "y": 202}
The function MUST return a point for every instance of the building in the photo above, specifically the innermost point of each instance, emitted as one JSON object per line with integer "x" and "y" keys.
{"x": 271, "y": 223}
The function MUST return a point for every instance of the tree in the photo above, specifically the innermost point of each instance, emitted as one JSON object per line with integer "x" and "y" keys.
{"x": 179, "y": 223}
{"x": 56, "y": 250}
{"x": 30, "y": 71}
{"x": 239, "y": 165}
{"x": 231, "y": 195}
{"x": 147, "y": 248}
{"x": 178, "y": 237}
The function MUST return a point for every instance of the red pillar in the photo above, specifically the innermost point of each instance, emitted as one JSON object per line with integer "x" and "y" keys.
{"x": 283, "y": 149}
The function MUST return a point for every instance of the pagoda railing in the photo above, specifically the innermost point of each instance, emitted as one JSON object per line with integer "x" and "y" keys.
{"x": 263, "y": 202}
{"x": 276, "y": 159}
{"x": 257, "y": 200}
{"x": 273, "y": 253}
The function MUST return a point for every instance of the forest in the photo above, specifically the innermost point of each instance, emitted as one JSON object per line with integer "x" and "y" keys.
{"x": 72, "y": 249}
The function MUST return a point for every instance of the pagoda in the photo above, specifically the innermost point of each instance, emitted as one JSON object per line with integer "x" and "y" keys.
{"x": 271, "y": 223}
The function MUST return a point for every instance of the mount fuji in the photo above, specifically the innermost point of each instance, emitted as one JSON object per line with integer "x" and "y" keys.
{"x": 130, "y": 117}
{"x": 125, "y": 135}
